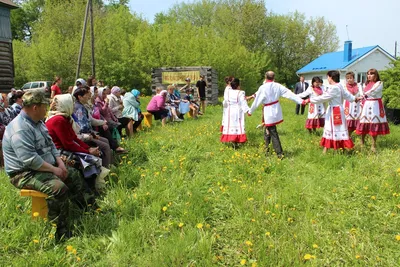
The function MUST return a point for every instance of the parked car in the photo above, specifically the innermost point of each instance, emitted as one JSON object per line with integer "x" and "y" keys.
{"x": 44, "y": 86}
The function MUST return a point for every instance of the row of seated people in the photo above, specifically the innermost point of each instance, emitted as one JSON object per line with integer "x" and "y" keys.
{"x": 169, "y": 104}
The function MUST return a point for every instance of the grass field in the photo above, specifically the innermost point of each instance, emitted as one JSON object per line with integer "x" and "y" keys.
{"x": 182, "y": 198}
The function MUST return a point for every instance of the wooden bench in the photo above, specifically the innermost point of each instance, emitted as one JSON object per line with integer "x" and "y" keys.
{"x": 148, "y": 119}
{"x": 39, "y": 203}
{"x": 190, "y": 113}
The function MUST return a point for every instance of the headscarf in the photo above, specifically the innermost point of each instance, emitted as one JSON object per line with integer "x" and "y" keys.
{"x": 100, "y": 92}
{"x": 163, "y": 93}
{"x": 62, "y": 105}
{"x": 135, "y": 93}
{"x": 115, "y": 90}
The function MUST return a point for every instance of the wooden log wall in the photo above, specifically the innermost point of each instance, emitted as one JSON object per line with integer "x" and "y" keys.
{"x": 210, "y": 75}
{"x": 6, "y": 67}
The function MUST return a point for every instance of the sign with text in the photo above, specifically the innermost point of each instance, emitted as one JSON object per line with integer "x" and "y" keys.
{"x": 179, "y": 77}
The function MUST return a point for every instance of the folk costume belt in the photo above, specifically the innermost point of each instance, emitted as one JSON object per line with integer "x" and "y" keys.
{"x": 272, "y": 103}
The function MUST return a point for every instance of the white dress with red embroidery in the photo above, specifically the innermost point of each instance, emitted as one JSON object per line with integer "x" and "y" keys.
{"x": 316, "y": 112}
{"x": 268, "y": 94}
{"x": 373, "y": 118}
{"x": 352, "y": 110}
{"x": 233, "y": 124}
{"x": 224, "y": 106}
{"x": 335, "y": 134}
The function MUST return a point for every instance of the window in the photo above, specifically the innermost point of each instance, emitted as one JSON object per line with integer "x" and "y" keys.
{"x": 26, "y": 86}
{"x": 361, "y": 77}
{"x": 35, "y": 85}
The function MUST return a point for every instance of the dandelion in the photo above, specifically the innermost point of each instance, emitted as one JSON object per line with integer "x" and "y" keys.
{"x": 119, "y": 201}
{"x": 248, "y": 243}
{"x": 124, "y": 157}
{"x": 373, "y": 197}
{"x": 74, "y": 251}
{"x": 250, "y": 199}
{"x": 51, "y": 236}
{"x": 208, "y": 226}
{"x": 78, "y": 259}
{"x": 315, "y": 246}
{"x": 253, "y": 220}
{"x": 308, "y": 257}
{"x": 243, "y": 262}
{"x": 398, "y": 237}
{"x": 180, "y": 225}
{"x": 113, "y": 174}
{"x": 199, "y": 226}
{"x": 164, "y": 209}
{"x": 254, "y": 264}
{"x": 36, "y": 214}
{"x": 290, "y": 220}
{"x": 267, "y": 212}
{"x": 70, "y": 248}
{"x": 129, "y": 162}
{"x": 358, "y": 257}
{"x": 267, "y": 234}
{"x": 35, "y": 241}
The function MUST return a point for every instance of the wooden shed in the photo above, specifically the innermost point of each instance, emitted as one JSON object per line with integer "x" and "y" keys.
{"x": 177, "y": 75}
{"x": 6, "y": 51}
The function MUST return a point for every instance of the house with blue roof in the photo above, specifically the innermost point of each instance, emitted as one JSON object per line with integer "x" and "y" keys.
{"x": 358, "y": 60}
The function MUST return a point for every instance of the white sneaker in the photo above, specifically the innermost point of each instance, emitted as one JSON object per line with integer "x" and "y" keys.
{"x": 177, "y": 119}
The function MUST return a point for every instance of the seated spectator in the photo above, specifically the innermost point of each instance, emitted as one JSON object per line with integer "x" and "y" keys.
{"x": 116, "y": 107}
{"x": 123, "y": 92}
{"x": 173, "y": 104}
{"x": 60, "y": 126}
{"x": 157, "y": 106}
{"x": 83, "y": 119}
{"x": 193, "y": 105}
{"x": 17, "y": 99}
{"x": 33, "y": 162}
{"x": 70, "y": 89}
{"x": 101, "y": 105}
{"x": 132, "y": 110}
{"x": 10, "y": 94}
{"x": 176, "y": 91}
{"x": 6, "y": 114}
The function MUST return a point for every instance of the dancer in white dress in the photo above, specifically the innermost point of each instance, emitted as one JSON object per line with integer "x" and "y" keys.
{"x": 234, "y": 125}
{"x": 352, "y": 110}
{"x": 373, "y": 118}
{"x": 228, "y": 80}
{"x": 316, "y": 112}
{"x": 335, "y": 133}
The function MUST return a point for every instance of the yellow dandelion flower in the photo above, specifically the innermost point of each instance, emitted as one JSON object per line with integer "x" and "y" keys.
{"x": 208, "y": 226}
{"x": 119, "y": 201}
{"x": 398, "y": 237}
{"x": 180, "y": 225}
{"x": 358, "y": 257}
{"x": 243, "y": 262}
{"x": 254, "y": 264}
{"x": 70, "y": 248}
{"x": 307, "y": 257}
{"x": 315, "y": 246}
{"x": 290, "y": 220}
{"x": 129, "y": 162}
{"x": 267, "y": 212}
{"x": 78, "y": 259}
{"x": 267, "y": 234}
{"x": 51, "y": 236}
{"x": 373, "y": 197}
{"x": 135, "y": 196}
{"x": 250, "y": 199}
{"x": 74, "y": 251}
{"x": 35, "y": 241}
{"x": 253, "y": 220}
{"x": 124, "y": 157}
{"x": 164, "y": 209}
{"x": 113, "y": 174}
{"x": 36, "y": 214}
{"x": 199, "y": 226}
{"x": 248, "y": 243}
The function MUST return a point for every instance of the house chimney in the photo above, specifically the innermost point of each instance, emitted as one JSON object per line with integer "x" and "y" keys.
{"x": 347, "y": 51}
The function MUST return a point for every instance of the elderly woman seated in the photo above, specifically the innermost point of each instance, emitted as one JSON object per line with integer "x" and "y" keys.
{"x": 173, "y": 103}
{"x": 132, "y": 110}
{"x": 157, "y": 106}
{"x": 116, "y": 107}
{"x": 78, "y": 154}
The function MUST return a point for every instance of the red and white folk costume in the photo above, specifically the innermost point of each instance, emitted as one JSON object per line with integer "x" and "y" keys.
{"x": 233, "y": 118}
{"x": 352, "y": 110}
{"x": 373, "y": 118}
{"x": 335, "y": 134}
{"x": 268, "y": 94}
{"x": 316, "y": 112}
{"x": 224, "y": 106}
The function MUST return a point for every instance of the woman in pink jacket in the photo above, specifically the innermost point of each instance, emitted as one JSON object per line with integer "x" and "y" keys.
{"x": 157, "y": 107}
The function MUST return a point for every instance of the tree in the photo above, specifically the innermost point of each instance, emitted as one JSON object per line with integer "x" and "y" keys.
{"x": 391, "y": 92}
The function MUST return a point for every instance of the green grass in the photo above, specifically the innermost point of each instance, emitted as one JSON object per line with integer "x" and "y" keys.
{"x": 182, "y": 198}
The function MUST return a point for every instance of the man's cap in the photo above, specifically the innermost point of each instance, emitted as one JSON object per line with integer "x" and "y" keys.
{"x": 187, "y": 79}
{"x": 81, "y": 81}
{"x": 34, "y": 97}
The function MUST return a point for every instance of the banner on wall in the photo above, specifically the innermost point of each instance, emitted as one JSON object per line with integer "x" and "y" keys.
{"x": 178, "y": 77}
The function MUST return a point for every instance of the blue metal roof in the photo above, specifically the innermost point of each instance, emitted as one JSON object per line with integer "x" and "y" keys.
{"x": 334, "y": 60}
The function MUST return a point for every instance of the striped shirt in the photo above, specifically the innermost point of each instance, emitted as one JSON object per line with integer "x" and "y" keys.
{"x": 27, "y": 145}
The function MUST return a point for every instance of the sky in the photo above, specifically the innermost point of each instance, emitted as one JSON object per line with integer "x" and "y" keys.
{"x": 368, "y": 22}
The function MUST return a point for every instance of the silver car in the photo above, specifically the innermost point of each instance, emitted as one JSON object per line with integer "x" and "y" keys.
{"x": 44, "y": 86}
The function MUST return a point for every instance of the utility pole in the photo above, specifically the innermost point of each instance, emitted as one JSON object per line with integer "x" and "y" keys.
{"x": 395, "y": 50}
{"x": 89, "y": 7}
